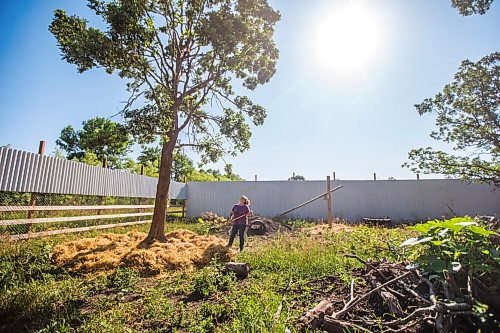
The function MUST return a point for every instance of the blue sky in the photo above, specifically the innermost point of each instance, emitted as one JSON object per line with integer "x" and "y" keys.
{"x": 319, "y": 120}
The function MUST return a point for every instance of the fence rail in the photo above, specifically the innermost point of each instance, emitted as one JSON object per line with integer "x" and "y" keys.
{"x": 56, "y": 208}
{"x": 23, "y": 222}
{"x": 71, "y": 218}
{"x": 73, "y": 230}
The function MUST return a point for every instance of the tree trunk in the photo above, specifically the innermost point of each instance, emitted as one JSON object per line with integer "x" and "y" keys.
{"x": 157, "y": 230}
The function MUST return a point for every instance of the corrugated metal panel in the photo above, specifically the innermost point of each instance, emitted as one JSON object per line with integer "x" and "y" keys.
{"x": 28, "y": 172}
{"x": 401, "y": 200}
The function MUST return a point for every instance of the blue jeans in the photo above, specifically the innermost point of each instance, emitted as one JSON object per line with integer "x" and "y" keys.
{"x": 237, "y": 229}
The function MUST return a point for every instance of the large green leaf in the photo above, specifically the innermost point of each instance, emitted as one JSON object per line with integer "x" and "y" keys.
{"x": 437, "y": 265}
{"x": 423, "y": 227}
{"x": 481, "y": 231}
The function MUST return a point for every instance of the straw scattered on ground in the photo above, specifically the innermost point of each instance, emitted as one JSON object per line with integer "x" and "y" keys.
{"x": 322, "y": 229}
{"x": 183, "y": 249}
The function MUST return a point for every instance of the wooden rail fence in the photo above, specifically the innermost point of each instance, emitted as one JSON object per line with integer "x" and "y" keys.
{"x": 30, "y": 221}
{"x": 26, "y": 172}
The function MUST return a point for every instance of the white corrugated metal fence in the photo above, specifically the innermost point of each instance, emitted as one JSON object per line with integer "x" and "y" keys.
{"x": 22, "y": 171}
{"x": 397, "y": 199}
{"x": 401, "y": 200}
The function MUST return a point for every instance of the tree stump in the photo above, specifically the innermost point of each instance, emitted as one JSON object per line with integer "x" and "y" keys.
{"x": 240, "y": 269}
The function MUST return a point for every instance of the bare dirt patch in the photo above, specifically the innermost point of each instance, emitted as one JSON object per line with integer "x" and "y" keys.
{"x": 183, "y": 249}
{"x": 322, "y": 229}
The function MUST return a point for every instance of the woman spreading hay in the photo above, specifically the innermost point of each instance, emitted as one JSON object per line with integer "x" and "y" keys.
{"x": 239, "y": 217}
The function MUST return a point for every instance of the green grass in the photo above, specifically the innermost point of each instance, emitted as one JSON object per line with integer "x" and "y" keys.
{"x": 36, "y": 296}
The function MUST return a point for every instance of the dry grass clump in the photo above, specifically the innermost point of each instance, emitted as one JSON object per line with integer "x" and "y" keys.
{"x": 183, "y": 249}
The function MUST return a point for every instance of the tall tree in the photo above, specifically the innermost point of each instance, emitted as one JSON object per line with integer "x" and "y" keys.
{"x": 467, "y": 116}
{"x": 469, "y": 7}
{"x": 179, "y": 58}
{"x": 69, "y": 142}
{"x": 149, "y": 155}
{"x": 229, "y": 173}
{"x": 106, "y": 139}
{"x": 296, "y": 177}
{"x": 182, "y": 167}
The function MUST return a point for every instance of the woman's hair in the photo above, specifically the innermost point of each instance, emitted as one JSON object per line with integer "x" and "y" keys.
{"x": 246, "y": 201}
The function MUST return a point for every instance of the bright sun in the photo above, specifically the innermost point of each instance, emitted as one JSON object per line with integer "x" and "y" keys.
{"x": 348, "y": 38}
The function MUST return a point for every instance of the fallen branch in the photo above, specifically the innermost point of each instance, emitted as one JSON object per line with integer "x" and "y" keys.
{"x": 406, "y": 302}
{"x": 314, "y": 318}
{"x": 367, "y": 264}
{"x": 350, "y": 304}
{"x": 280, "y": 307}
{"x": 336, "y": 325}
{"x": 352, "y": 289}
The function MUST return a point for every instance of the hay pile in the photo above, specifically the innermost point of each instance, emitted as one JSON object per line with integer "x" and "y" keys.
{"x": 183, "y": 249}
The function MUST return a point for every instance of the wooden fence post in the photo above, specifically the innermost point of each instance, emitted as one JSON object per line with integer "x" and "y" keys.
{"x": 34, "y": 196}
{"x": 41, "y": 147}
{"x": 101, "y": 198}
{"x": 418, "y": 176}
{"x": 329, "y": 201}
{"x": 140, "y": 199}
{"x": 374, "y": 176}
{"x": 334, "y": 175}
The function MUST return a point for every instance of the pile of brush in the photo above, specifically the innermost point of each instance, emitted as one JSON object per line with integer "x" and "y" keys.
{"x": 389, "y": 297}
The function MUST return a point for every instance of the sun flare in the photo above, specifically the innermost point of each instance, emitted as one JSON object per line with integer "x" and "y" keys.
{"x": 348, "y": 38}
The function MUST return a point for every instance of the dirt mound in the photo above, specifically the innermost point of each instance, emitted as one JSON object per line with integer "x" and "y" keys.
{"x": 271, "y": 226}
{"x": 183, "y": 249}
{"x": 322, "y": 229}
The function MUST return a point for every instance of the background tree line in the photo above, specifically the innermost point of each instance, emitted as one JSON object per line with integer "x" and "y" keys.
{"x": 101, "y": 141}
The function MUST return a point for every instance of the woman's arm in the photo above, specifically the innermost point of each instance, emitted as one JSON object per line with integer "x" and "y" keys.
{"x": 231, "y": 214}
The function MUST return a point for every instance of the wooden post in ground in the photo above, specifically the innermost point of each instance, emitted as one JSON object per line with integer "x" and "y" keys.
{"x": 41, "y": 147}
{"x": 139, "y": 202}
{"x": 374, "y": 176}
{"x": 255, "y": 177}
{"x": 418, "y": 176}
{"x": 334, "y": 175}
{"x": 34, "y": 196}
{"x": 101, "y": 198}
{"x": 329, "y": 201}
